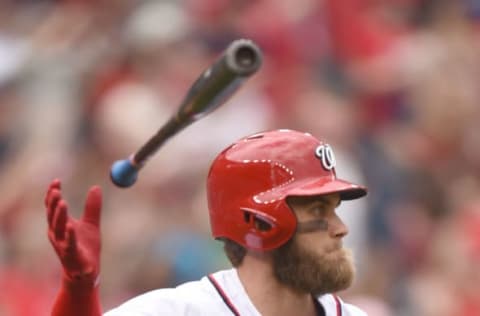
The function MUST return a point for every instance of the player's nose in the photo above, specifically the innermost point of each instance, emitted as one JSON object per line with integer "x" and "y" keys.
{"x": 338, "y": 228}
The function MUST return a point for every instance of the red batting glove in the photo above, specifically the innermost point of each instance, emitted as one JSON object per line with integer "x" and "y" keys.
{"x": 77, "y": 244}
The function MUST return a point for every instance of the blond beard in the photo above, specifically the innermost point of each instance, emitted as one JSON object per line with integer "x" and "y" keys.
{"x": 308, "y": 272}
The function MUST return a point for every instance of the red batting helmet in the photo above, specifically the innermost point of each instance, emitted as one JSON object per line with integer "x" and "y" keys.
{"x": 251, "y": 179}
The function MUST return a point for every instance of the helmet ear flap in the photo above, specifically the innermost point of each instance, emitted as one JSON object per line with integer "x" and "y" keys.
{"x": 260, "y": 222}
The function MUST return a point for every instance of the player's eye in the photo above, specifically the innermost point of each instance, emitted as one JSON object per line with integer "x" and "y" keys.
{"x": 318, "y": 210}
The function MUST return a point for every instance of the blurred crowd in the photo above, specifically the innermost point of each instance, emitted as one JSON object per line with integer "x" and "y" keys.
{"x": 393, "y": 85}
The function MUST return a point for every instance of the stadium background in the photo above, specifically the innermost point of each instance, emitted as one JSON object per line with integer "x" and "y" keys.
{"x": 393, "y": 84}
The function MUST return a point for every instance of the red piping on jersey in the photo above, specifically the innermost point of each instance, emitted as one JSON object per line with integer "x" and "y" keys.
{"x": 339, "y": 306}
{"x": 222, "y": 294}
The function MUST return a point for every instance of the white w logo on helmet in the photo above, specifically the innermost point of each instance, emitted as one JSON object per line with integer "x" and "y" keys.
{"x": 326, "y": 156}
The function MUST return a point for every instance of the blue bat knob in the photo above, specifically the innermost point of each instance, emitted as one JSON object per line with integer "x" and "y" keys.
{"x": 123, "y": 173}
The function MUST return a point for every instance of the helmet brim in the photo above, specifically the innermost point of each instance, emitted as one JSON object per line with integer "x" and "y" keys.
{"x": 347, "y": 190}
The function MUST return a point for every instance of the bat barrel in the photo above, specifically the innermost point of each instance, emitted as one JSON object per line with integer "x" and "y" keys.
{"x": 243, "y": 57}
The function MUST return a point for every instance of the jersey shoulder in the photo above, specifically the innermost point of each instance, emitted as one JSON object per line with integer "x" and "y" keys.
{"x": 351, "y": 310}
{"x": 191, "y": 298}
{"x": 335, "y": 306}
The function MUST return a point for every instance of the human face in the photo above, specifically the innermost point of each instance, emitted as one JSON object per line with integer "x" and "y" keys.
{"x": 314, "y": 260}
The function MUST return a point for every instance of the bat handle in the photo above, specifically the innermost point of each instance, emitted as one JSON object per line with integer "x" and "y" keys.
{"x": 124, "y": 173}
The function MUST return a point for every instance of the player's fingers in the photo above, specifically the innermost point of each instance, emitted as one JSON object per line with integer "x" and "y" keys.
{"x": 52, "y": 203}
{"x": 55, "y": 184}
{"x": 70, "y": 238}
{"x": 93, "y": 206}
{"x": 60, "y": 220}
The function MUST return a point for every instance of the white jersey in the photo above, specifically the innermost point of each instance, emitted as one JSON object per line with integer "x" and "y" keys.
{"x": 220, "y": 293}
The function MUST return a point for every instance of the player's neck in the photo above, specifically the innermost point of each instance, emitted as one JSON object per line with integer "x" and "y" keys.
{"x": 268, "y": 295}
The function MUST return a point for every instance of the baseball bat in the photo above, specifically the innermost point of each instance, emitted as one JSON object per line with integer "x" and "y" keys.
{"x": 241, "y": 59}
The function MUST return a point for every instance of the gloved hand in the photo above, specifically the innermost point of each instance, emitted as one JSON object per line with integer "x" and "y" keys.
{"x": 76, "y": 242}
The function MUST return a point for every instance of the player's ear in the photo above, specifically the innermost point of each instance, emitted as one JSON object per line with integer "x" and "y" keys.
{"x": 262, "y": 225}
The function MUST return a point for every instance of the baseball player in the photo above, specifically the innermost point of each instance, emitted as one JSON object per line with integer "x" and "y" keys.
{"x": 272, "y": 198}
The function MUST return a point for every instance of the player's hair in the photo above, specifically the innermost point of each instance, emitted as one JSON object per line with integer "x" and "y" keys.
{"x": 235, "y": 252}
